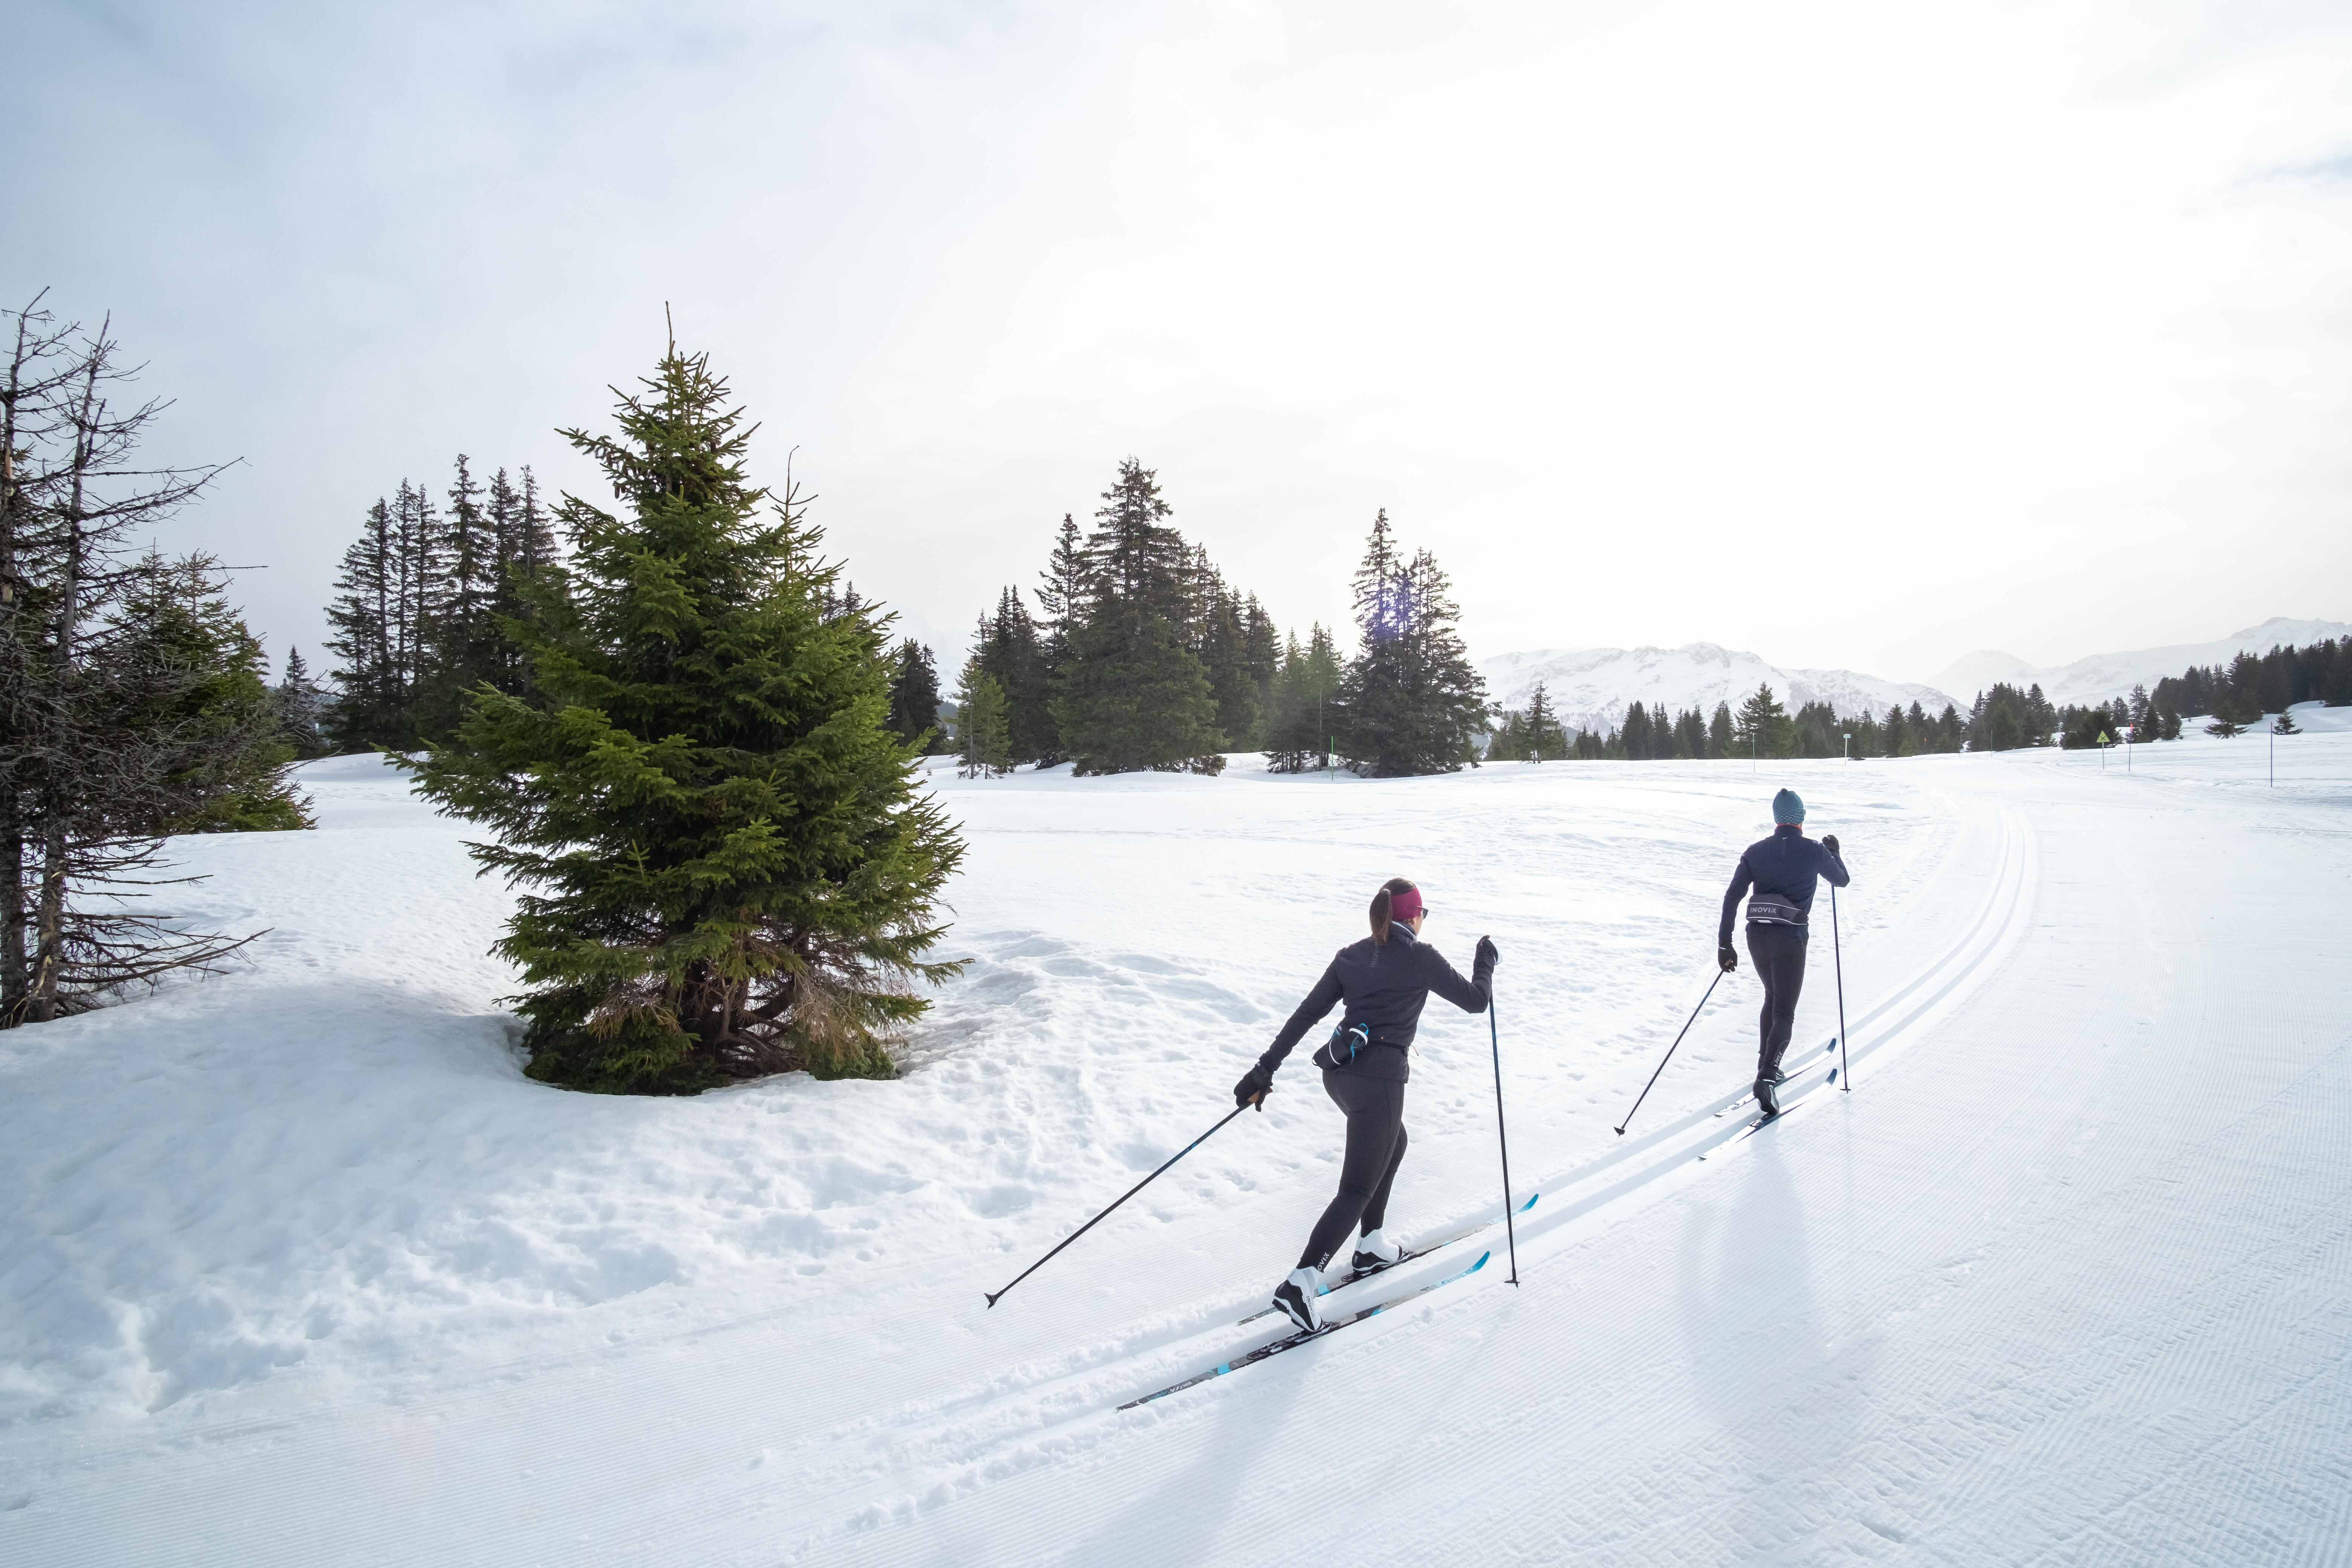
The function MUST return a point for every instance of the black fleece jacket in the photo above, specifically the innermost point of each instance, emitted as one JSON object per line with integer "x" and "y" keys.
{"x": 1384, "y": 988}
{"x": 1786, "y": 865}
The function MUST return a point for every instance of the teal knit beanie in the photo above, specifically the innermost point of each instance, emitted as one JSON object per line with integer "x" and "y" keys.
{"x": 1787, "y": 808}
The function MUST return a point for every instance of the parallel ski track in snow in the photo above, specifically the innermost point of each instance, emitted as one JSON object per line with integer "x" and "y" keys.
{"x": 1035, "y": 1413}
{"x": 1601, "y": 1190}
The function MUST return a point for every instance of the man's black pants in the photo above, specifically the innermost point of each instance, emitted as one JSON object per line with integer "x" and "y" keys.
{"x": 1778, "y": 953}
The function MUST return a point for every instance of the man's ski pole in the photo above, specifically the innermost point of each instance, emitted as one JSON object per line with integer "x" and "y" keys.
{"x": 1130, "y": 1191}
{"x": 1837, "y": 955}
{"x": 1669, "y": 1050}
{"x": 1494, "y": 1034}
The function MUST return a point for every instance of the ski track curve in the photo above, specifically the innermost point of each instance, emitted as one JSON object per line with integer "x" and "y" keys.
{"x": 2092, "y": 1428}
{"x": 1773, "y": 1354}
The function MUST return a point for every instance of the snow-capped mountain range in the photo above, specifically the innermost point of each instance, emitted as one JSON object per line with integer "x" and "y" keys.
{"x": 2106, "y": 674}
{"x": 1590, "y": 687}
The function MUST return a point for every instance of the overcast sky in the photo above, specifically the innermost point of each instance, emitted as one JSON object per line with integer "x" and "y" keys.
{"x": 1854, "y": 335}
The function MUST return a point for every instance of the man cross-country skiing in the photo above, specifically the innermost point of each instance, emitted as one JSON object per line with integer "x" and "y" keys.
{"x": 1384, "y": 979}
{"x": 1782, "y": 869}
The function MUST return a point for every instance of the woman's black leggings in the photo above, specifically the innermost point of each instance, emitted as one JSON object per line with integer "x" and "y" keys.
{"x": 1779, "y": 951}
{"x": 1375, "y": 1110}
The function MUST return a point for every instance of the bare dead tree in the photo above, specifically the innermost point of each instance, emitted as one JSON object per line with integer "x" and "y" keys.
{"x": 99, "y": 735}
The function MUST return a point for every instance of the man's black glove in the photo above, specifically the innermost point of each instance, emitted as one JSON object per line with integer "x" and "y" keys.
{"x": 1725, "y": 957}
{"x": 1829, "y": 842}
{"x": 1487, "y": 954}
{"x": 1255, "y": 1084}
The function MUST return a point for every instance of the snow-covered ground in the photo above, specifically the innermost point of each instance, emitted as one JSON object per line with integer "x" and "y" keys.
{"x": 297, "y": 1269}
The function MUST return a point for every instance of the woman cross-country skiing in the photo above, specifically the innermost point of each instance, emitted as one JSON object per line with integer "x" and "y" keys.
{"x": 1783, "y": 871}
{"x": 1384, "y": 979}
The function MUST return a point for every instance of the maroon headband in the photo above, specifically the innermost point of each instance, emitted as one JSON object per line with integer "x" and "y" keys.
{"x": 1404, "y": 906}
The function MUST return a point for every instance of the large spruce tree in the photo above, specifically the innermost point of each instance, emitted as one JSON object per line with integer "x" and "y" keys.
{"x": 1411, "y": 700}
{"x": 1130, "y": 694}
{"x": 728, "y": 867}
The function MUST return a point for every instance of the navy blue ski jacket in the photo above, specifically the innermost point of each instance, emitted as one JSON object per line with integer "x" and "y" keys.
{"x": 1787, "y": 864}
{"x": 1384, "y": 988}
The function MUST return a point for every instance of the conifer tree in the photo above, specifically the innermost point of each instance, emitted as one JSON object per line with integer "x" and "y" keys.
{"x": 524, "y": 543}
{"x": 1298, "y": 721}
{"x": 1225, "y": 656}
{"x": 2228, "y": 721}
{"x": 130, "y": 696}
{"x": 1544, "y": 735}
{"x": 300, "y": 705}
{"x": 983, "y": 740}
{"x": 1719, "y": 737}
{"x": 1130, "y": 694}
{"x": 1061, "y": 593}
{"x": 373, "y": 700}
{"x": 1764, "y": 728}
{"x": 1637, "y": 733}
{"x": 1896, "y": 738}
{"x": 730, "y": 868}
{"x": 2285, "y": 724}
{"x": 1690, "y": 735}
{"x": 461, "y": 645}
{"x": 1411, "y": 701}
{"x": 195, "y": 674}
{"x": 1013, "y": 655}
{"x": 915, "y": 698}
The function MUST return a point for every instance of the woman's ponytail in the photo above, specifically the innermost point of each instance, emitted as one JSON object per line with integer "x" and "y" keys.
{"x": 1384, "y": 903}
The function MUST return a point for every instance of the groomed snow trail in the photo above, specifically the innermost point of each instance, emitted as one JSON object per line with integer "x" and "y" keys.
{"x": 2063, "y": 1280}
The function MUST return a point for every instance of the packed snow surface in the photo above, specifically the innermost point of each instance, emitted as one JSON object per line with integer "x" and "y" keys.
{"x": 298, "y": 1268}
{"x": 1590, "y": 687}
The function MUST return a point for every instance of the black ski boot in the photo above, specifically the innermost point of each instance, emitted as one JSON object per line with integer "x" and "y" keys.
{"x": 1768, "y": 1095}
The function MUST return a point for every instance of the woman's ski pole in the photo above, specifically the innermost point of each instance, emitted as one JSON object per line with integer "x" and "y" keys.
{"x": 1669, "y": 1050}
{"x": 1130, "y": 1191}
{"x": 1837, "y": 955}
{"x": 1495, "y": 1034}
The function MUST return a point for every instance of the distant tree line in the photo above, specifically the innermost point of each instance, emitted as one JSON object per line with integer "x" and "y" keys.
{"x": 133, "y": 703}
{"x": 1140, "y": 655}
{"x": 423, "y": 605}
{"x": 1761, "y": 727}
{"x": 2233, "y": 696}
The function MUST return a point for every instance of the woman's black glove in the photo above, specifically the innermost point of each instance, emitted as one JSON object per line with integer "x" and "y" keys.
{"x": 1829, "y": 842}
{"x": 1725, "y": 957}
{"x": 1255, "y": 1084}
{"x": 1487, "y": 954}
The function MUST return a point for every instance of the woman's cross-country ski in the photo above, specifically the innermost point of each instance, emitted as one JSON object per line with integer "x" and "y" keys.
{"x": 1783, "y": 871}
{"x": 1384, "y": 979}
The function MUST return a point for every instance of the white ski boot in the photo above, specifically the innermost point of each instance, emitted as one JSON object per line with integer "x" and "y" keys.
{"x": 1375, "y": 1251}
{"x": 1297, "y": 1298}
